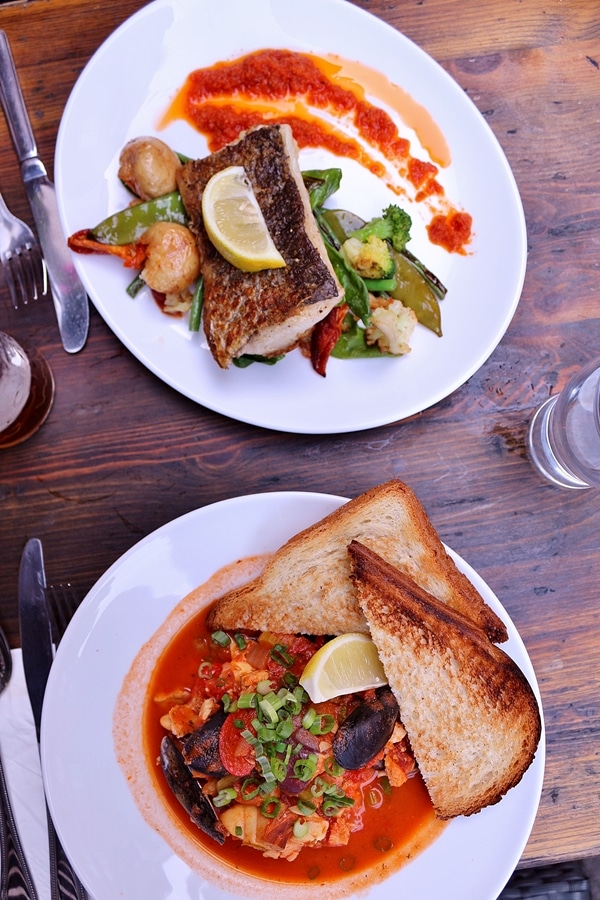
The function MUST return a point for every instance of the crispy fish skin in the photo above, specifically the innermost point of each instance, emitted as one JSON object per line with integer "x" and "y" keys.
{"x": 262, "y": 312}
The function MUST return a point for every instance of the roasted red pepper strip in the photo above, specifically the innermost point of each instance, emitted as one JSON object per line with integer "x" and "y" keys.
{"x": 133, "y": 255}
{"x": 324, "y": 337}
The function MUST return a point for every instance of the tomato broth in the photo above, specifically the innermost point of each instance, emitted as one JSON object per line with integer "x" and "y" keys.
{"x": 393, "y": 822}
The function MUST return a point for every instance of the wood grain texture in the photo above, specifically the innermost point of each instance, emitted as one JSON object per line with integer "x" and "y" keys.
{"x": 122, "y": 453}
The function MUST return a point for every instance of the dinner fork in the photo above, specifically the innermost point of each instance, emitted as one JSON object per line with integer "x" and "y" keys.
{"x": 62, "y": 601}
{"x": 22, "y": 262}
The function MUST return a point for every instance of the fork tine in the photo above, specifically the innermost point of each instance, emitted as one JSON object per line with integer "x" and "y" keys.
{"x": 20, "y": 276}
{"x": 10, "y": 282}
{"x": 62, "y": 604}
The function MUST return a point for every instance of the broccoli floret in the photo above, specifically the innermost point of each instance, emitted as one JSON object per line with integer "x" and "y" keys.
{"x": 371, "y": 258}
{"x": 391, "y": 329}
{"x": 393, "y": 226}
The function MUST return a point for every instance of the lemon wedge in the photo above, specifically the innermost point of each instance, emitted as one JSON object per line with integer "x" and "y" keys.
{"x": 235, "y": 224}
{"x": 346, "y": 664}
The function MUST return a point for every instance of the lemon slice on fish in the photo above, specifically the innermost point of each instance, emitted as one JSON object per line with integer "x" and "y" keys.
{"x": 235, "y": 224}
{"x": 346, "y": 664}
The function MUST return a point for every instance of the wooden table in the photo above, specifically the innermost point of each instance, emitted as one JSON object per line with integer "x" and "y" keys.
{"x": 122, "y": 453}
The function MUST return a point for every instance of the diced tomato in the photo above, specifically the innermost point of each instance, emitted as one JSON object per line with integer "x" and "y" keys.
{"x": 237, "y": 755}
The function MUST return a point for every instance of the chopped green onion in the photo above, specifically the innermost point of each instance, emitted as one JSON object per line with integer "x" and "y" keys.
{"x": 278, "y": 768}
{"x": 239, "y": 831}
{"x": 240, "y": 641}
{"x": 205, "y": 669}
{"x": 263, "y": 687}
{"x": 247, "y": 700}
{"x": 300, "y": 829}
{"x": 225, "y": 796}
{"x": 322, "y": 724}
{"x": 268, "y": 710}
{"x": 316, "y": 788}
{"x": 333, "y": 768}
{"x": 220, "y": 638}
{"x": 227, "y": 701}
{"x": 270, "y": 807}
{"x": 290, "y": 679}
{"x": 249, "y": 789}
{"x": 304, "y": 769}
{"x": 305, "y": 806}
{"x": 279, "y": 654}
{"x": 309, "y": 717}
{"x": 284, "y": 728}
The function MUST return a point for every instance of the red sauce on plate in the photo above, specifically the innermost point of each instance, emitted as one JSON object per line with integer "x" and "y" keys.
{"x": 299, "y": 89}
{"x": 393, "y": 827}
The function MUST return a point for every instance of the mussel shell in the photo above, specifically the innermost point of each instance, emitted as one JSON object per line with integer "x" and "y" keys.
{"x": 366, "y": 730}
{"x": 188, "y": 791}
{"x": 201, "y": 748}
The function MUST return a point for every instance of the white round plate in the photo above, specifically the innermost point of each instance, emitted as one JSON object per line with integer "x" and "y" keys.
{"x": 115, "y": 852}
{"x": 123, "y": 92}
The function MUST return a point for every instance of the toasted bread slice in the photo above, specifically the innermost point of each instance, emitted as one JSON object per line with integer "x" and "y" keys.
{"x": 470, "y": 714}
{"x": 263, "y": 313}
{"x": 305, "y": 587}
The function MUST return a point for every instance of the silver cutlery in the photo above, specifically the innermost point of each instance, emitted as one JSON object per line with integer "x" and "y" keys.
{"x": 37, "y": 649}
{"x": 24, "y": 269}
{"x": 15, "y": 881}
{"x": 70, "y": 299}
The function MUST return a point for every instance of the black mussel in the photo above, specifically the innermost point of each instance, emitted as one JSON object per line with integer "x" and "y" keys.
{"x": 366, "y": 730}
{"x": 201, "y": 748}
{"x": 188, "y": 791}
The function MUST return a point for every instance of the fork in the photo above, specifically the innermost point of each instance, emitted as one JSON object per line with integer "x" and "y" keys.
{"x": 62, "y": 601}
{"x": 24, "y": 267}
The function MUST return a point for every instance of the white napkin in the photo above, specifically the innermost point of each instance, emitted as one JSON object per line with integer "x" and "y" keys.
{"x": 21, "y": 761}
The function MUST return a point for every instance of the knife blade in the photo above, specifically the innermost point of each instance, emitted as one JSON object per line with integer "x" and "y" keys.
{"x": 38, "y": 654}
{"x": 68, "y": 293}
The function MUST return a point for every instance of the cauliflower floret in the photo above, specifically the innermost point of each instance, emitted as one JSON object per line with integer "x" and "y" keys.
{"x": 391, "y": 328}
{"x": 371, "y": 258}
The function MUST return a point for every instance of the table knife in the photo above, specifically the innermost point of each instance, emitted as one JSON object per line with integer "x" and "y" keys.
{"x": 38, "y": 653}
{"x": 69, "y": 296}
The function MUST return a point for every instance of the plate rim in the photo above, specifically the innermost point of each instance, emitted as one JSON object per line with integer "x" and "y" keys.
{"x": 218, "y": 399}
{"x": 75, "y": 640}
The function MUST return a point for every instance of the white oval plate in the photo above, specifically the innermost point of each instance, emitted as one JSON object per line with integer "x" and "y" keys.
{"x": 114, "y": 850}
{"x": 127, "y": 86}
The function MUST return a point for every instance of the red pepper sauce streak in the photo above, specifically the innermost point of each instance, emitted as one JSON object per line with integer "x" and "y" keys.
{"x": 402, "y": 816}
{"x": 451, "y": 231}
{"x": 223, "y": 100}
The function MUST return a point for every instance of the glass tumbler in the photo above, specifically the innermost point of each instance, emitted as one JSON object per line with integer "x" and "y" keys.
{"x": 564, "y": 433}
{"x": 26, "y": 391}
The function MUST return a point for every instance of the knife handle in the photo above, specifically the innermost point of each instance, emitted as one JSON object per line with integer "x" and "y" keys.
{"x": 64, "y": 883}
{"x": 14, "y": 105}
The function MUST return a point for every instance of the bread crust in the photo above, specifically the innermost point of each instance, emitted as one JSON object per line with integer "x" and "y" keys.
{"x": 471, "y": 716}
{"x": 305, "y": 587}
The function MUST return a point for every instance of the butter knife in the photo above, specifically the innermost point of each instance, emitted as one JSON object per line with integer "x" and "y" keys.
{"x": 70, "y": 299}
{"x": 37, "y": 650}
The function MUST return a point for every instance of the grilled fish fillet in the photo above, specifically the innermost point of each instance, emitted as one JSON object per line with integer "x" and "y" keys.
{"x": 267, "y": 312}
{"x": 472, "y": 719}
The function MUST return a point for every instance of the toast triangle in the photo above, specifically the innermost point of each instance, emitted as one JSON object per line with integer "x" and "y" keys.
{"x": 470, "y": 714}
{"x": 305, "y": 586}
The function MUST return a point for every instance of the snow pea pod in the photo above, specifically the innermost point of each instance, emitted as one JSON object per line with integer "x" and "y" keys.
{"x": 412, "y": 287}
{"x": 128, "y": 225}
{"x": 413, "y": 291}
